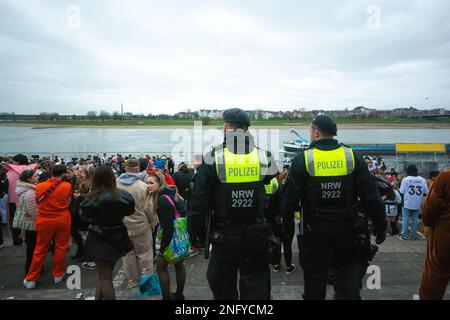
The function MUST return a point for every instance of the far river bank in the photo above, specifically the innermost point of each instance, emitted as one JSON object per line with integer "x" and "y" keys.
{"x": 284, "y": 126}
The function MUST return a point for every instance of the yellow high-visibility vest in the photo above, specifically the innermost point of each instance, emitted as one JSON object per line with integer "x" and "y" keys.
{"x": 272, "y": 187}
{"x": 329, "y": 163}
{"x": 240, "y": 168}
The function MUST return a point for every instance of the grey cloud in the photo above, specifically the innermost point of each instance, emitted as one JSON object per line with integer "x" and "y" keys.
{"x": 176, "y": 55}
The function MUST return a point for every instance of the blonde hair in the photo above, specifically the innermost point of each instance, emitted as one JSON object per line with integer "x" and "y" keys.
{"x": 85, "y": 185}
{"x": 152, "y": 199}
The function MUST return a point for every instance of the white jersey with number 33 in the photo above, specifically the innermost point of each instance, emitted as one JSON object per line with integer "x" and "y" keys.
{"x": 413, "y": 189}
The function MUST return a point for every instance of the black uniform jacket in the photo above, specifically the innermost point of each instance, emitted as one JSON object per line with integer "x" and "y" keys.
{"x": 206, "y": 182}
{"x": 364, "y": 185}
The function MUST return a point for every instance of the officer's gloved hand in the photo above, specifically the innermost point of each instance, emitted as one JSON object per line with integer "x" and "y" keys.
{"x": 380, "y": 233}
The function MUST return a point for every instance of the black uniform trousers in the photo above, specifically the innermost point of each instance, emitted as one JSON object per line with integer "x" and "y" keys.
{"x": 323, "y": 244}
{"x": 238, "y": 253}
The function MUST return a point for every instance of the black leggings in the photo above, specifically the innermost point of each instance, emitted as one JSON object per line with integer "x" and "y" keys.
{"x": 17, "y": 241}
{"x": 105, "y": 287}
{"x": 30, "y": 241}
{"x": 286, "y": 240}
{"x": 287, "y": 248}
{"x": 164, "y": 277}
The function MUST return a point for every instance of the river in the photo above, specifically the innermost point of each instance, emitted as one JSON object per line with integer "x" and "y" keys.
{"x": 181, "y": 143}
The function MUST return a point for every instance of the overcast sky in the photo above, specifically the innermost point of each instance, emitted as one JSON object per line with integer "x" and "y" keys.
{"x": 169, "y": 56}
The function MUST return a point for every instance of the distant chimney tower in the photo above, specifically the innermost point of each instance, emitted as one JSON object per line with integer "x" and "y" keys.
{"x": 121, "y": 107}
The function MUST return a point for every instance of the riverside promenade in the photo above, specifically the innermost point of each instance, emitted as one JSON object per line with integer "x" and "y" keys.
{"x": 400, "y": 264}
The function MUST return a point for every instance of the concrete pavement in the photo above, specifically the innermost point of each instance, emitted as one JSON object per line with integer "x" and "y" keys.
{"x": 400, "y": 263}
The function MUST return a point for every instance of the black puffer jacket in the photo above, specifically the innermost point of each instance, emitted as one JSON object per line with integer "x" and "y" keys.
{"x": 105, "y": 210}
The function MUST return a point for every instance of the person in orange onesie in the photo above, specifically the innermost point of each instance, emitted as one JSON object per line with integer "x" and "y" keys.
{"x": 436, "y": 215}
{"x": 52, "y": 223}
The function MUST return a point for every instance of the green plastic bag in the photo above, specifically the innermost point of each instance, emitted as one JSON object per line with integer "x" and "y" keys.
{"x": 179, "y": 246}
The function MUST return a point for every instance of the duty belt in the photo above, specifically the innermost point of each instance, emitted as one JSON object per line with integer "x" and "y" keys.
{"x": 331, "y": 214}
{"x": 232, "y": 226}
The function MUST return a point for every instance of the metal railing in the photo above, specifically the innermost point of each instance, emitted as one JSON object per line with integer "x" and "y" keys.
{"x": 399, "y": 161}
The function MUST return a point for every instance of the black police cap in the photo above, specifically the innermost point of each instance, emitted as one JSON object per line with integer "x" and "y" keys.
{"x": 326, "y": 124}
{"x": 236, "y": 115}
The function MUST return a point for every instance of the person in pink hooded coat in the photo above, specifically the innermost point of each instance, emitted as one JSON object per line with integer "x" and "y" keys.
{"x": 20, "y": 164}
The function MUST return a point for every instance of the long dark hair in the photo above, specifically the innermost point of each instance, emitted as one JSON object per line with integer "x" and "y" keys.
{"x": 390, "y": 194}
{"x": 21, "y": 159}
{"x": 103, "y": 180}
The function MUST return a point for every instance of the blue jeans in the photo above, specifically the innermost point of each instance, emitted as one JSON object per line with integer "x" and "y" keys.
{"x": 409, "y": 216}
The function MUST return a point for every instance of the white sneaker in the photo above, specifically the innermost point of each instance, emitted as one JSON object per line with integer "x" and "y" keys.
{"x": 29, "y": 284}
{"x": 290, "y": 269}
{"x": 420, "y": 236}
{"x": 58, "y": 279}
{"x": 88, "y": 265}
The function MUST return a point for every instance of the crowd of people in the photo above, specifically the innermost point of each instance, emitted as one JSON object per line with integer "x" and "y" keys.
{"x": 409, "y": 202}
{"x": 112, "y": 207}
{"x": 375, "y": 164}
{"x": 403, "y": 194}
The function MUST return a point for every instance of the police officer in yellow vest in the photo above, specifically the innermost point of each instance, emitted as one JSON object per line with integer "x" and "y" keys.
{"x": 272, "y": 187}
{"x": 330, "y": 180}
{"x": 231, "y": 182}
